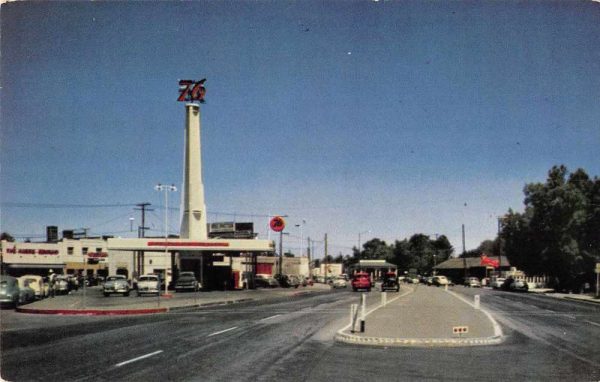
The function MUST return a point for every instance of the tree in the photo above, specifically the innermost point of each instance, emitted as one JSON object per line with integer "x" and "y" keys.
{"x": 6, "y": 236}
{"x": 375, "y": 249}
{"x": 557, "y": 234}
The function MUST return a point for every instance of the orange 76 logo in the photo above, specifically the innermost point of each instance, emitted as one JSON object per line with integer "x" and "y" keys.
{"x": 192, "y": 90}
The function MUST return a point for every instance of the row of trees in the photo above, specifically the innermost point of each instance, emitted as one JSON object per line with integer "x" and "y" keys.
{"x": 558, "y": 234}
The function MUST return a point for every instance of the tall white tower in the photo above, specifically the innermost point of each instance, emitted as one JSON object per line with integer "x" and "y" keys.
{"x": 193, "y": 222}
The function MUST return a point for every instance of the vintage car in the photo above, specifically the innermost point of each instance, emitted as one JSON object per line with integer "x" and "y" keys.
{"x": 390, "y": 282}
{"x": 117, "y": 284}
{"x": 265, "y": 281}
{"x": 187, "y": 282}
{"x": 61, "y": 285}
{"x": 37, "y": 284}
{"x": 439, "y": 281}
{"x": 339, "y": 282}
{"x": 361, "y": 280}
{"x": 148, "y": 284}
{"x": 26, "y": 293}
{"x": 9, "y": 291}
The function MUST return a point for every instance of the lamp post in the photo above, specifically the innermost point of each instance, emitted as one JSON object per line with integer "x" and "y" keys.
{"x": 301, "y": 237}
{"x": 359, "y": 242}
{"x": 162, "y": 187}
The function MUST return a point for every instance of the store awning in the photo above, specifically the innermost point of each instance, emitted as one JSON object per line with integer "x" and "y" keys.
{"x": 34, "y": 266}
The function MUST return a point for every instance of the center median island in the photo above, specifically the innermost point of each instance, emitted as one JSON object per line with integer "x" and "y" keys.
{"x": 423, "y": 316}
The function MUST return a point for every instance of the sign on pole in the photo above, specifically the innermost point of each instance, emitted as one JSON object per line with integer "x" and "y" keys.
{"x": 277, "y": 224}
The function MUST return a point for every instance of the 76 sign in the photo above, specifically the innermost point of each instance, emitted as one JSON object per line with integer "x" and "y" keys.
{"x": 190, "y": 90}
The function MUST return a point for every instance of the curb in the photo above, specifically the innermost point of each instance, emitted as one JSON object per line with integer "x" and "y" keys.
{"x": 92, "y": 312}
{"x": 589, "y": 301}
{"x": 121, "y": 312}
{"x": 417, "y": 342}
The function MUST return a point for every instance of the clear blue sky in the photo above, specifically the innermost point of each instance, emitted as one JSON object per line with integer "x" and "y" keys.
{"x": 393, "y": 117}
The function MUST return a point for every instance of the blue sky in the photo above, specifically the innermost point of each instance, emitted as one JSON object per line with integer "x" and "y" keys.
{"x": 390, "y": 117}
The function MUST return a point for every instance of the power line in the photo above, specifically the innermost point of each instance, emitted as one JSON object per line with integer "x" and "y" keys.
{"x": 63, "y": 205}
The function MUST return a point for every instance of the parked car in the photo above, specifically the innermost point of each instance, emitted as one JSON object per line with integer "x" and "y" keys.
{"x": 439, "y": 281}
{"x": 9, "y": 291}
{"x": 265, "y": 281}
{"x": 339, "y": 282}
{"x": 472, "y": 282}
{"x": 26, "y": 293}
{"x": 283, "y": 280}
{"x": 361, "y": 280}
{"x": 148, "y": 284}
{"x": 187, "y": 282}
{"x": 515, "y": 285}
{"x": 497, "y": 282}
{"x": 116, "y": 284}
{"x": 307, "y": 281}
{"x": 390, "y": 282}
{"x": 294, "y": 281}
{"x": 61, "y": 285}
{"x": 37, "y": 284}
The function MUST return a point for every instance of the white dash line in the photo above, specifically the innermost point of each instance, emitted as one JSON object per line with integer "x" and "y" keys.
{"x": 138, "y": 358}
{"x": 268, "y": 318}
{"x": 222, "y": 331}
{"x": 593, "y": 323}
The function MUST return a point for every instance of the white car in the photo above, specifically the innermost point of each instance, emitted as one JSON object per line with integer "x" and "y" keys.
{"x": 148, "y": 284}
{"x": 37, "y": 284}
{"x": 497, "y": 282}
{"x": 339, "y": 282}
{"x": 439, "y": 281}
{"x": 116, "y": 284}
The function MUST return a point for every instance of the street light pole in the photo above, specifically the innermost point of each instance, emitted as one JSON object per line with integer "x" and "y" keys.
{"x": 360, "y": 243}
{"x": 161, "y": 187}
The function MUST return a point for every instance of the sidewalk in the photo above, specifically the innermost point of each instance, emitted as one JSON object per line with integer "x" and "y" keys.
{"x": 424, "y": 316}
{"x": 117, "y": 305}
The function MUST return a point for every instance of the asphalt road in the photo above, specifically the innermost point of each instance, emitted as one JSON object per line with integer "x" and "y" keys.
{"x": 292, "y": 340}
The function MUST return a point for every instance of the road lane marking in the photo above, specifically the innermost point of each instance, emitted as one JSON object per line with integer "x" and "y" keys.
{"x": 222, "y": 331}
{"x": 138, "y": 358}
{"x": 268, "y": 318}
{"x": 593, "y": 323}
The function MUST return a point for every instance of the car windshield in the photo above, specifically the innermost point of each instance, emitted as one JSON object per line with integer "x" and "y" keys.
{"x": 148, "y": 278}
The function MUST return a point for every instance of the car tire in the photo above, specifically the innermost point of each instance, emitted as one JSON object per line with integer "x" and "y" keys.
{"x": 368, "y": 289}
{"x": 126, "y": 294}
{"x": 106, "y": 294}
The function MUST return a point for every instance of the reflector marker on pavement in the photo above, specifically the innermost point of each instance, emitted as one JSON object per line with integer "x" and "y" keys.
{"x": 268, "y": 318}
{"x": 138, "y": 358}
{"x": 222, "y": 331}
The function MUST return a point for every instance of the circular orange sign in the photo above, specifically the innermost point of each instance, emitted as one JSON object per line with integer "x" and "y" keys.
{"x": 277, "y": 224}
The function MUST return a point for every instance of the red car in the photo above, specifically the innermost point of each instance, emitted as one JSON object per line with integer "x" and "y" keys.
{"x": 361, "y": 280}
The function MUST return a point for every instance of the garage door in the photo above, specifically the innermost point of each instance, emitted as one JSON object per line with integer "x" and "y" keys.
{"x": 264, "y": 268}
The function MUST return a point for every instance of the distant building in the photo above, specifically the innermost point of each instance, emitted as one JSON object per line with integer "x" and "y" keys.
{"x": 457, "y": 268}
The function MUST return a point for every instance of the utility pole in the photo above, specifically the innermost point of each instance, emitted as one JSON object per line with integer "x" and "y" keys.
{"x": 499, "y": 246}
{"x": 464, "y": 250}
{"x": 141, "y": 233}
{"x": 326, "y": 261}
{"x": 309, "y": 262}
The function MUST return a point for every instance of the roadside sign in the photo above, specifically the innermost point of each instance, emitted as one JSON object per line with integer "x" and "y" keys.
{"x": 277, "y": 224}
